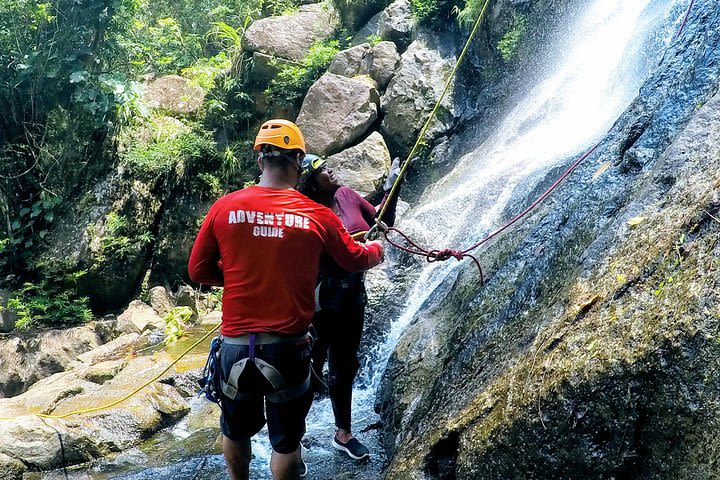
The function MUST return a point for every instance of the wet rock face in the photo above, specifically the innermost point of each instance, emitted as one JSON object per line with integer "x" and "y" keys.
{"x": 591, "y": 351}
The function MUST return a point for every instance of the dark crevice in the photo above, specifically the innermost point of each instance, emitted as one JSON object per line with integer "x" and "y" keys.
{"x": 441, "y": 462}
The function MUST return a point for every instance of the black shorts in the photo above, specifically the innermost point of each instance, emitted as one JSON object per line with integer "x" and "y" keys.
{"x": 245, "y": 417}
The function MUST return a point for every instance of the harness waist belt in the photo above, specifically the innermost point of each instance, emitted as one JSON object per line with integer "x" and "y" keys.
{"x": 266, "y": 339}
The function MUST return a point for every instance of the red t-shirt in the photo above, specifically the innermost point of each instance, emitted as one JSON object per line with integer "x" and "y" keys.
{"x": 270, "y": 241}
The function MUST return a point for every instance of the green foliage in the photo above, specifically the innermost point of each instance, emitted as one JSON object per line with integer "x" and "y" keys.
{"x": 435, "y": 12}
{"x": 469, "y": 14}
{"x": 51, "y": 301}
{"x": 293, "y": 80}
{"x": 116, "y": 239}
{"x": 160, "y": 46}
{"x": 374, "y": 39}
{"x": 205, "y": 71}
{"x": 211, "y": 183}
{"x": 175, "y": 322}
{"x": 509, "y": 43}
{"x": 170, "y": 146}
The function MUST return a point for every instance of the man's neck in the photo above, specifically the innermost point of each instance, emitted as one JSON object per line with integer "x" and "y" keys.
{"x": 277, "y": 178}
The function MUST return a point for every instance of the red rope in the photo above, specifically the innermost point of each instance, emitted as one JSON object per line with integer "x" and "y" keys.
{"x": 430, "y": 255}
{"x": 687, "y": 15}
{"x": 436, "y": 255}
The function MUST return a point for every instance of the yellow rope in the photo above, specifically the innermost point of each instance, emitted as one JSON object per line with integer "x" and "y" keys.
{"x": 425, "y": 128}
{"x": 134, "y": 392}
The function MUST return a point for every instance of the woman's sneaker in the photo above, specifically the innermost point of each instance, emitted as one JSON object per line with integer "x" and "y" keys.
{"x": 352, "y": 447}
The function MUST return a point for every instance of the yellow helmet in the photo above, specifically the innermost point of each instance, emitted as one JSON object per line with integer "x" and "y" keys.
{"x": 280, "y": 133}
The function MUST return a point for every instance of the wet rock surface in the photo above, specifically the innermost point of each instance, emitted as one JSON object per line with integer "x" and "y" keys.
{"x": 590, "y": 352}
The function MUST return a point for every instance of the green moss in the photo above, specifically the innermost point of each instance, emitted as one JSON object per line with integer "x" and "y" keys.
{"x": 509, "y": 44}
{"x": 160, "y": 146}
{"x": 435, "y": 12}
{"x": 293, "y": 80}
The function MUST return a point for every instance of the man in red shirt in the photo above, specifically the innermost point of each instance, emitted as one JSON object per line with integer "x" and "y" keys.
{"x": 263, "y": 244}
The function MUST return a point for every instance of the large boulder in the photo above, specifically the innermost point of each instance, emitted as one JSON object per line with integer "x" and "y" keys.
{"x": 290, "y": 36}
{"x": 396, "y": 24}
{"x": 414, "y": 91}
{"x": 97, "y": 235}
{"x": 378, "y": 62}
{"x": 175, "y": 94}
{"x": 115, "y": 349}
{"x": 364, "y": 166}
{"x": 160, "y": 300}
{"x": 24, "y": 361}
{"x": 336, "y": 112}
{"x": 348, "y": 63}
{"x": 139, "y": 317}
{"x": 382, "y": 62}
{"x": 354, "y": 13}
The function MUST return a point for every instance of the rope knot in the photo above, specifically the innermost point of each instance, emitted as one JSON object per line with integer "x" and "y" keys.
{"x": 442, "y": 255}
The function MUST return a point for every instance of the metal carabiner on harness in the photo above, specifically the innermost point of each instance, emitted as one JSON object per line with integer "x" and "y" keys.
{"x": 373, "y": 233}
{"x": 210, "y": 381}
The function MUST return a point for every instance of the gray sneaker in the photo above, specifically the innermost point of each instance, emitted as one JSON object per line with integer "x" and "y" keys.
{"x": 353, "y": 448}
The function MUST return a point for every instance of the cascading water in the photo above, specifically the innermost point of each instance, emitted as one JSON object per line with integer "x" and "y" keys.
{"x": 596, "y": 69}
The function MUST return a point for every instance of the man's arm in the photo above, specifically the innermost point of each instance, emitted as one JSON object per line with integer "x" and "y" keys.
{"x": 203, "y": 266}
{"x": 349, "y": 254}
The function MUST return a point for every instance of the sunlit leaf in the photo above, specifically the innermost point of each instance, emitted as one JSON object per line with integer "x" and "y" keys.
{"x": 601, "y": 170}
{"x": 635, "y": 221}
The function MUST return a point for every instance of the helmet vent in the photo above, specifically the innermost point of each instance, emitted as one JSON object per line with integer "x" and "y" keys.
{"x": 286, "y": 139}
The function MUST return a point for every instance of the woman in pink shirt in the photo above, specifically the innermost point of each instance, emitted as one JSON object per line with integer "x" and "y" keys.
{"x": 340, "y": 312}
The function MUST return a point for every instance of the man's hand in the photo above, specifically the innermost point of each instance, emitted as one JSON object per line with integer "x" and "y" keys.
{"x": 382, "y": 247}
{"x": 394, "y": 173}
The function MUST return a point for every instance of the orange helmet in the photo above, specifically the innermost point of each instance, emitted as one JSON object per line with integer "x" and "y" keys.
{"x": 280, "y": 133}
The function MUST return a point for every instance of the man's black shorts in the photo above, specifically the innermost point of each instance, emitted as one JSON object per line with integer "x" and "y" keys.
{"x": 244, "y": 417}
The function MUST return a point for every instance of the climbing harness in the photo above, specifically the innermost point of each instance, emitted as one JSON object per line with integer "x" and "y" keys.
{"x": 282, "y": 392}
{"x": 209, "y": 384}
